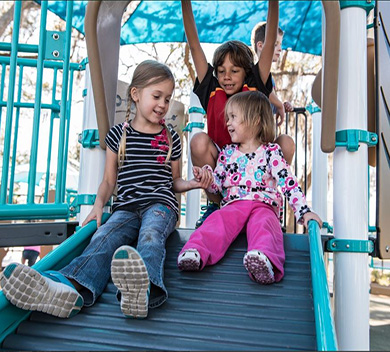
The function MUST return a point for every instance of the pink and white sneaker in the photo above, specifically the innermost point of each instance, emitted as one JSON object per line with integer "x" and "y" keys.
{"x": 259, "y": 267}
{"x": 189, "y": 260}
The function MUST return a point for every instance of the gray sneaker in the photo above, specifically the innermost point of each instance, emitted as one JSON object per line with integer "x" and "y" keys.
{"x": 130, "y": 276}
{"x": 48, "y": 292}
{"x": 259, "y": 267}
{"x": 189, "y": 260}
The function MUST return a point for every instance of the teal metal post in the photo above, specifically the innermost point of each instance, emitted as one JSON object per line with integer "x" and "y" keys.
{"x": 68, "y": 110}
{"x": 3, "y": 71}
{"x": 60, "y": 193}
{"x": 49, "y": 147}
{"x": 37, "y": 106}
{"x": 10, "y": 102}
{"x": 15, "y": 146}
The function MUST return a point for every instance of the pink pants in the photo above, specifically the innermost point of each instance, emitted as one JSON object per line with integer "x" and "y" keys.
{"x": 222, "y": 227}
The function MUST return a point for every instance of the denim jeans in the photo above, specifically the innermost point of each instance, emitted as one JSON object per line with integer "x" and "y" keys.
{"x": 151, "y": 226}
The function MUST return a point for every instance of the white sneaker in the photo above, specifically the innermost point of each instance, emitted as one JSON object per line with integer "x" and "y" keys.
{"x": 259, "y": 267}
{"x": 189, "y": 260}
{"x": 130, "y": 276}
{"x": 48, "y": 292}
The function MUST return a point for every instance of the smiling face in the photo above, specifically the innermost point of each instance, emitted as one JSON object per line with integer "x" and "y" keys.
{"x": 230, "y": 77}
{"x": 239, "y": 131}
{"x": 152, "y": 102}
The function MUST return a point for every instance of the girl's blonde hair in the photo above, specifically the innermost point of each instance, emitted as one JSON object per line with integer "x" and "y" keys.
{"x": 147, "y": 73}
{"x": 256, "y": 113}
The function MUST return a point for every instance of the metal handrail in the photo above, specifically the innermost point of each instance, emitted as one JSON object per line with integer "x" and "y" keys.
{"x": 325, "y": 329}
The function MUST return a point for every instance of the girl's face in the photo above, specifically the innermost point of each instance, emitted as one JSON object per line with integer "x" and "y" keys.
{"x": 230, "y": 77}
{"x": 152, "y": 101}
{"x": 238, "y": 130}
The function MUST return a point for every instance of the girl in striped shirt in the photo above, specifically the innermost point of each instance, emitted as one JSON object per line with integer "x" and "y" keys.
{"x": 143, "y": 160}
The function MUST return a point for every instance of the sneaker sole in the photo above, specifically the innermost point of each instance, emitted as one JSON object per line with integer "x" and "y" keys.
{"x": 130, "y": 276}
{"x": 27, "y": 289}
{"x": 259, "y": 270}
{"x": 188, "y": 265}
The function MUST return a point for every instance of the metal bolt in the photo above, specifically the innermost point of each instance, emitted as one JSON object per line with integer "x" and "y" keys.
{"x": 333, "y": 244}
{"x": 56, "y": 53}
{"x": 56, "y": 36}
{"x": 347, "y": 245}
{"x": 387, "y": 248}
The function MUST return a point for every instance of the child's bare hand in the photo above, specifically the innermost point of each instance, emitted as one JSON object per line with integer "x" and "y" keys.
{"x": 203, "y": 176}
{"x": 311, "y": 216}
{"x": 197, "y": 172}
{"x": 288, "y": 106}
{"x": 95, "y": 214}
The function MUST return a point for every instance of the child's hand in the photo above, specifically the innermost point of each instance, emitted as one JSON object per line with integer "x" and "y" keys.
{"x": 95, "y": 214}
{"x": 288, "y": 106}
{"x": 311, "y": 216}
{"x": 203, "y": 176}
{"x": 197, "y": 171}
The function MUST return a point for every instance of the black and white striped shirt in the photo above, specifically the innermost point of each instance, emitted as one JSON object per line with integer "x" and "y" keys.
{"x": 144, "y": 178}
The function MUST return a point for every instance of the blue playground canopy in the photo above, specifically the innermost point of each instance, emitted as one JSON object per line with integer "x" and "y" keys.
{"x": 217, "y": 21}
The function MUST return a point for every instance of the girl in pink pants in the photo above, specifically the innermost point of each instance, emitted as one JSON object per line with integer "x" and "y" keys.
{"x": 248, "y": 175}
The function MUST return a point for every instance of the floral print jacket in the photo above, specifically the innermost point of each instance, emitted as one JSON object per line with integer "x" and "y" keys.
{"x": 257, "y": 176}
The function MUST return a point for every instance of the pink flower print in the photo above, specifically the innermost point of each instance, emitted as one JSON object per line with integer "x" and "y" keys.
{"x": 236, "y": 178}
{"x": 261, "y": 162}
{"x": 161, "y": 159}
{"x": 163, "y": 147}
{"x": 248, "y": 183}
{"x": 154, "y": 143}
{"x": 273, "y": 147}
{"x": 290, "y": 183}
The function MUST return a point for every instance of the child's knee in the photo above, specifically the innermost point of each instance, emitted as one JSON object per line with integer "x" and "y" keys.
{"x": 287, "y": 145}
{"x": 199, "y": 143}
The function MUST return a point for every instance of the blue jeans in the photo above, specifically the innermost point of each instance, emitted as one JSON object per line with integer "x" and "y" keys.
{"x": 152, "y": 226}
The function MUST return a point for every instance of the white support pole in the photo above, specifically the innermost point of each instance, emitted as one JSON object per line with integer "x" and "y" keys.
{"x": 193, "y": 197}
{"x": 319, "y": 171}
{"x": 92, "y": 160}
{"x": 351, "y": 279}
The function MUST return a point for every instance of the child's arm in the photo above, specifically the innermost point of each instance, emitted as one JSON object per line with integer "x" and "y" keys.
{"x": 288, "y": 183}
{"x": 271, "y": 32}
{"x": 106, "y": 188}
{"x": 198, "y": 55}
{"x": 202, "y": 178}
{"x": 280, "y": 114}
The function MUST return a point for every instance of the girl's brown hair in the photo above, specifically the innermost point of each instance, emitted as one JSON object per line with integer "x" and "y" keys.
{"x": 147, "y": 73}
{"x": 240, "y": 55}
{"x": 256, "y": 113}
